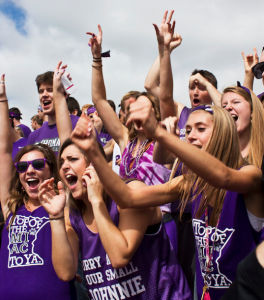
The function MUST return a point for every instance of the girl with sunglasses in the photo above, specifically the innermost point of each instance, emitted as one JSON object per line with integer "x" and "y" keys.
{"x": 26, "y": 270}
{"x": 215, "y": 181}
{"x": 125, "y": 252}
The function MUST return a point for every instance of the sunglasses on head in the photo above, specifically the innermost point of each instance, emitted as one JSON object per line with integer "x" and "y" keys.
{"x": 37, "y": 164}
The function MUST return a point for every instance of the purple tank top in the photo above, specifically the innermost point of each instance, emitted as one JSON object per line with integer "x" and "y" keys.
{"x": 233, "y": 240}
{"x": 26, "y": 270}
{"x": 147, "y": 171}
{"x": 182, "y": 122}
{"x": 153, "y": 272}
{"x": 104, "y": 138}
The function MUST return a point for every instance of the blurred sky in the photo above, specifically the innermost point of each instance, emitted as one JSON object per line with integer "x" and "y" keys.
{"x": 35, "y": 35}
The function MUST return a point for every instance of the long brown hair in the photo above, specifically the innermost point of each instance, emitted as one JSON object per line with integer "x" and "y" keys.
{"x": 17, "y": 196}
{"x": 132, "y": 132}
{"x": 223, "y": 145}
{"x": 256, "y": 150}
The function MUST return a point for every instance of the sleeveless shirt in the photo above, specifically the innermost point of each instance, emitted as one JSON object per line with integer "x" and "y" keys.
{"x": 26, "y": 270}
{"x": 153, "y": 272}
{"x": 232, "y": 240}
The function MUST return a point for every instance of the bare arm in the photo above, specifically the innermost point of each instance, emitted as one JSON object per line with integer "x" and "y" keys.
{"x": 245, "y": 180}
{"x": 108, "y": 149}
{"x": 124, "y": 196}
{"x": 65, "y": 242}
{"x": 114, "y": 127}
{"x": 63, "y": 120}
{"x": 120, "y": 243}
{"x": 6, "y": 146}
{"x": 249, "y": 61}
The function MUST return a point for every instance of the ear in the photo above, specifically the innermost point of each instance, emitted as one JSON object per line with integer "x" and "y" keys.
{"x": 75, "y": 112}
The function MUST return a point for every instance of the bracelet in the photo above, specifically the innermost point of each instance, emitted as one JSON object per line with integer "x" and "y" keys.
{"x": 3, "y": 100}
{"x": 97, "y": 67}
{"x": 51, "y": 219}
{"x": 97, "y": 58}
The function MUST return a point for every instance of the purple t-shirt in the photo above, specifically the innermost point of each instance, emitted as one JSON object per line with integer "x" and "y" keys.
{"x": 182, "y": 122}
{"x": 26, "y": 270}
{"x": 153, "y": 272}
{"x": 19, "y": 144}
{"x": 48, "y": 134}
{"x": 104, "y": 138}
{"x": 26, "y": 130}
{"x": 233, "y": 240}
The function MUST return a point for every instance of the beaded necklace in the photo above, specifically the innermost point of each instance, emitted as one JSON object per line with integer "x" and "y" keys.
{"x": 127, "y": 158}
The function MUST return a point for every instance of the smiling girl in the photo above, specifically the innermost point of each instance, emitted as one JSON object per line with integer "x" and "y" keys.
{"x": 26, "y": 270}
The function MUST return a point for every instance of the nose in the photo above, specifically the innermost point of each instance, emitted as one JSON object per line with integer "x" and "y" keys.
{"x": 45, "y": 93}
{"x": 191, "y": 136}
{"x": 229, "y": 106}
{"x": 30, "y": 169}
{"x": 196, "y": 90}
{"x": 65, "y": 166}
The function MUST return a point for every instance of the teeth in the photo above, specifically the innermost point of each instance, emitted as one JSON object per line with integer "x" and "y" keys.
{"x": 68, "y": 176}
{"x": 32, "y": 179}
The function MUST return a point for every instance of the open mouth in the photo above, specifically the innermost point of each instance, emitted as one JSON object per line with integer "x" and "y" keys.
{"x": 72, "y": 180}
{"x": 32, "y": 183}
{"x": 46, "y": 103}
{"x": 196, "y": 101}
{"x": 235, "y": 118}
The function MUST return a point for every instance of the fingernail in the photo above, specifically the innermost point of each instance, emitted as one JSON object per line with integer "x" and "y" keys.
{"x": 89, "y": 45}
{"x": 3, "y": 75}
{"x": 93, "y": 35}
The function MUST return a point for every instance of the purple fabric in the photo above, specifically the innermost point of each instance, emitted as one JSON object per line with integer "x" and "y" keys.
{"x": 182, "y": 122}
{"x": 26, "y": 130}
{"x": 260, "y": 95}
{"x": 171, "y": 231}
{"x": 48, "y": 134}
{"x": 153, "y": 272}
{"x": 26, "y": 270}
{"x": 19, "y": 144}
{"x": 147, "y": 171}
{"x": 91, "y": 110}
{"x": 234, "y": 240}
{"x": 104, "y": 138}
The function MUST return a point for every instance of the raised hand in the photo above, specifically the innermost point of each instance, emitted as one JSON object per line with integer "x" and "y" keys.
{"x": 199, "y": 80}
{"x": 84, "y": 135}
{"x": 2, "y": 88}
{"x": 170, "y": 124}
{"x": 143, "y": 116}
{"x": 94, "y": 186}
{"x": 58, "y": 72}
{"x": 95, "y": 42}
{"x": 250, "y": 60}
{"x": 176, "y": 41}
{"x": 53, "y": 204}
{"x": 166, "y": 30}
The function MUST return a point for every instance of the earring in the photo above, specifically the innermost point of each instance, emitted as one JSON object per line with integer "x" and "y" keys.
{"x": 23, "y": 189}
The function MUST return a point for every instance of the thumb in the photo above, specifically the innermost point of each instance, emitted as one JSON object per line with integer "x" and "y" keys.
{"x": 60, "y": 188}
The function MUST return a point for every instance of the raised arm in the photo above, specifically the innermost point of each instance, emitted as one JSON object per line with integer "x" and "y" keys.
{"x": 120, "y": 243}
{"x": 114, "y": 127}
{"x": 6, "y": 146}
{"x": 65, "y": 242}
{"x": 63, "y": 120}
{"x": 125, "y": 197}
{"x": 249, "y": 61}
{"x": 245, "y": 180}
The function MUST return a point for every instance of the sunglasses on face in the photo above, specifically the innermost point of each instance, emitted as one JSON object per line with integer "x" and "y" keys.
{"x": 258, "y": 70}
{"x": 37, "y": 164}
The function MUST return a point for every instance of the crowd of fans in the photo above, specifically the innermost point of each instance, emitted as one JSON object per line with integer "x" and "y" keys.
{"x": 157, "y": 201}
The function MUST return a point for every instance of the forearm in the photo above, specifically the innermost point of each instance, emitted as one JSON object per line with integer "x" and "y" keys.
{"x": 98, "y": 86}
{"x": 62, "y": 255}
{"x": 249, "y": 80}
{"x": 124, "y": 196}
{"x": 6, "y": 144}
{"x": 152, "y": 81}
{"x": 63, "y": 120}
{"x": 167, "y": 106}
{"x": 114, "y": 242}
{"x": 214, "y": 94}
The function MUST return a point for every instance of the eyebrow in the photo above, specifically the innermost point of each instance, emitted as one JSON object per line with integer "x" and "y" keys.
{"x": 196, "y": 124}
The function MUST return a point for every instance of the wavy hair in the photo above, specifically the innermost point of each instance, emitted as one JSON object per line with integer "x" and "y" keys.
{"x": 256, "y": 151}
{"x": 223, "y": 144}
{"x": 17, "y": 196}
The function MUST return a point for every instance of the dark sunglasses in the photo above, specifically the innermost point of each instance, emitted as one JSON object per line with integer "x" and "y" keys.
{"x": 37, "y": 164}
{"x": 258, "y": 70}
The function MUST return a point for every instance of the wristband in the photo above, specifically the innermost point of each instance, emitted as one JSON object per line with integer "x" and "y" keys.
{"x": 52, "y": 219}
{"x": 3, "y": 100}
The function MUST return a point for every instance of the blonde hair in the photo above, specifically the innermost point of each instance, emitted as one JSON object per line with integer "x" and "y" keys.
{"x": 256, "y": 150}
{"x": 223, "y": 144}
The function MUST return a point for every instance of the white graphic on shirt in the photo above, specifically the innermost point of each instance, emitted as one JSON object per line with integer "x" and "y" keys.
{"x": 53, "y": 143}
{"x": 218, "y": 238}
{"x": 22, "y": 234}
